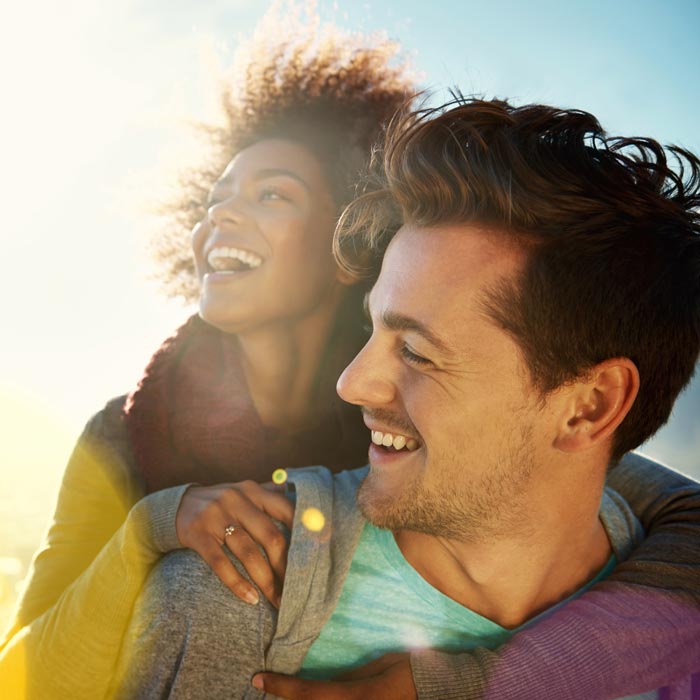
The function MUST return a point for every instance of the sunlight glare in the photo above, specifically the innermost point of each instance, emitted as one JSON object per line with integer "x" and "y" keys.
{"x": 313, "y": 519}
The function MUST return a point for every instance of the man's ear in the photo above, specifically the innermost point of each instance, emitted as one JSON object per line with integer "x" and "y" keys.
{"x": 598, "y": 403}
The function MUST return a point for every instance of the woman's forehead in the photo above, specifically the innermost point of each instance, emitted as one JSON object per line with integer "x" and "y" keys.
{"x": 276, "y": 156}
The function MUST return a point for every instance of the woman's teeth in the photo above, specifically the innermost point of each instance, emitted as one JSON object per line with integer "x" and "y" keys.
{"x": 398, "y": 442}
{"x": 226, "y": 259}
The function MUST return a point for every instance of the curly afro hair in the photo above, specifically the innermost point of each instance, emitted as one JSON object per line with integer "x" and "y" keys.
{"x": 296, "y": 78}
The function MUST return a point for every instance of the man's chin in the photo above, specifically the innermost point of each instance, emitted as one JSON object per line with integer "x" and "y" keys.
{"x": 380, "y": 503}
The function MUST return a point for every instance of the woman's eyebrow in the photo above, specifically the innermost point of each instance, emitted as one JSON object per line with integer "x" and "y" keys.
{"x": 276, "y": 172}
{"x": 263, "y": 175}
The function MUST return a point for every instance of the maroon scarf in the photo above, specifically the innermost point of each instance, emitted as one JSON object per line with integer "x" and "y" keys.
{"x": 191, "y": 417}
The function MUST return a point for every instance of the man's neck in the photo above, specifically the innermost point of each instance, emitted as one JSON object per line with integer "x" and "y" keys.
{"x": 509, "y": 579}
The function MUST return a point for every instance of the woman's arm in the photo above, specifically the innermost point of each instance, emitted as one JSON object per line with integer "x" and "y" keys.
{"x": 76, "y": 607}
{"x": 638, "y": 630}
{"x": 66, "y": 635}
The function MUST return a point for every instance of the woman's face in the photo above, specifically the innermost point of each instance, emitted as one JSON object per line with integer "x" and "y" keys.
{"x": 263, "y": 254}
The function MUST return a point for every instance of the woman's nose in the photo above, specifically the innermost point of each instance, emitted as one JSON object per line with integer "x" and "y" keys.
{"x": 200, "y": 233}
{"x": 227, "y": 211}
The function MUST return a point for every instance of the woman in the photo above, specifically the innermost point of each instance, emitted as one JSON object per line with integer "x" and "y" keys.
{"x": 242, "y": 389}
{"x": 246, "y": 386}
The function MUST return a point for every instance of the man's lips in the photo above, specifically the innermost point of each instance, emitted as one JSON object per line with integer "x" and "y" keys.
{"x": 397, "y": 441}
{"x": 386, "y": 456}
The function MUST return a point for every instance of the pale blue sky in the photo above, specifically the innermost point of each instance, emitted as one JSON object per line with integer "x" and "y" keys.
{"x": 93, "y": 96}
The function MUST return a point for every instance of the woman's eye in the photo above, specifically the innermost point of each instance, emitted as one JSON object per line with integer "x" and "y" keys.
{"x": 411, "y": 356}
{"x": 271, "y": 195}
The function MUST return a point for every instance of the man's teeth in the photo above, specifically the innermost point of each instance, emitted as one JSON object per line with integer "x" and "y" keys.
{"x": 221, "y": 258}
{"x": 398, "y": 442}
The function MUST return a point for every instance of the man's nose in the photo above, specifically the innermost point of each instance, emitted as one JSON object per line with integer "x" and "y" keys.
{"x": 367, "y": 380}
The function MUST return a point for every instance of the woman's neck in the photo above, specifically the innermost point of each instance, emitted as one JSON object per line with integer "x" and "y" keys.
{"x": 281, "y": 362}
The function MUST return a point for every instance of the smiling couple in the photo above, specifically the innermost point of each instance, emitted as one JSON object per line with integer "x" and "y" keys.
{"x": 534, "y": 298}
{"x": 536, "y": 314}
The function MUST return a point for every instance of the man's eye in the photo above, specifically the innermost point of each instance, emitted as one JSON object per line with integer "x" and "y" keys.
{"x": 411, "y": 356}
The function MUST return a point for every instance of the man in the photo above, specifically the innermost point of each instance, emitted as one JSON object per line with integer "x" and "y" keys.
{"x": 536, "y": 314}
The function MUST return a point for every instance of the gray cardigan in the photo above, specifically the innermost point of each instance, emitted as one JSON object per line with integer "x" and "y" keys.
{"x": 191, "y": 638}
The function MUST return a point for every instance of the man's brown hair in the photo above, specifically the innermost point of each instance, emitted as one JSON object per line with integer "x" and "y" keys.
{"x": 611, "y": 226}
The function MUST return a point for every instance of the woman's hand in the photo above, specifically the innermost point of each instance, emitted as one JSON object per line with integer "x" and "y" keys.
{"x": 245, "y": 510}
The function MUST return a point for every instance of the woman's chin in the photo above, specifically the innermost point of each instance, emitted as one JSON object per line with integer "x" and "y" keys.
{"x": 222, "y": 317}
{"x": 238, "y": 318}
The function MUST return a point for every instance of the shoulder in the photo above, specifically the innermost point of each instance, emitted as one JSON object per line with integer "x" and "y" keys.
{"x": 184, "y": 595}
{"x": 330, "y": 492}
{"x": 104, "y": 452}
{"x": 338, "y": 485}
{"x": 189, "y": 635}
{"x": 621, "y": 525}
{"x": 327, "y": 521}
{"x": 638, "y": 468}
{"x": 108, "y": 422}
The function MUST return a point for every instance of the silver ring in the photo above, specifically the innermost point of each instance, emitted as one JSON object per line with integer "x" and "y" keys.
{"x": 229, "y": 530}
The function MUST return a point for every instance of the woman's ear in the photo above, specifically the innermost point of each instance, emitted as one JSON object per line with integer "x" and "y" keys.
{"x": 599, "y": 402}
{"x": 345, "y": 277}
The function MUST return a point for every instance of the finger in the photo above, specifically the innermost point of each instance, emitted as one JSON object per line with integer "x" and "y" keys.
{"x": 272, "y": 502}
{"x": 301, "y": 689}
{"x": 242, "y": 546}
{"x": 261, "y": 528}
{"x": 210, "y": 550}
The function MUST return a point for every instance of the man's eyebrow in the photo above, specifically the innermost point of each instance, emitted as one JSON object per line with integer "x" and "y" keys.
{"x": 395, "y": 321}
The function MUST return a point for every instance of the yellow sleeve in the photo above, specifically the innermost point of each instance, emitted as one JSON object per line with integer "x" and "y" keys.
{"x": 66, "y": 634}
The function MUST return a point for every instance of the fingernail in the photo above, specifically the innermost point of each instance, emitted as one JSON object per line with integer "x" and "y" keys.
{"x": 251, "y": 596}
{"x": 259, "y": 682}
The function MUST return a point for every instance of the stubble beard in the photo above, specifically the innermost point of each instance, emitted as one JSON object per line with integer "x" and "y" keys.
{"x": 493, "y": 507}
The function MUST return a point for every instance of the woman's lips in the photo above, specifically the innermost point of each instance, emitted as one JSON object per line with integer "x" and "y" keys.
{"x": 232, "y": 259}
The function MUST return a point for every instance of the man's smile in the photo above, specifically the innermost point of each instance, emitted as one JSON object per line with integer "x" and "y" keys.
{"x": 398, "y": 442}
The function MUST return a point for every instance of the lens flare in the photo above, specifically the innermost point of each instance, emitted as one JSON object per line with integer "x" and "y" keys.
{"x": 279, "y": 476}
{"x": 413, "y": 637}
{"x": 313, "y": 519}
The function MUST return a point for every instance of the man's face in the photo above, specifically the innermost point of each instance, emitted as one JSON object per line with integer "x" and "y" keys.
{"x": 450, "y": 387}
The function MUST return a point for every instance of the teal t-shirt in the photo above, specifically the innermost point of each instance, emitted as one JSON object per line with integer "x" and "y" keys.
{"x": 387, "y": 606}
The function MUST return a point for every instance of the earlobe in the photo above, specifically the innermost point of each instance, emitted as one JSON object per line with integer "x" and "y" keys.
{"x": 599, "y": 402}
